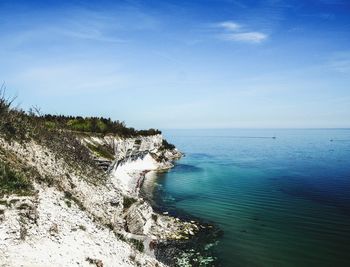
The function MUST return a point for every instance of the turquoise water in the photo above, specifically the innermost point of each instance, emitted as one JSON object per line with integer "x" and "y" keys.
{"x": 280, "y": 202}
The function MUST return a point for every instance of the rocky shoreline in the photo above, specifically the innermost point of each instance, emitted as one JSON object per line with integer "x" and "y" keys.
{"x": 195, "y": 249}
{"x": 184, "y": 241}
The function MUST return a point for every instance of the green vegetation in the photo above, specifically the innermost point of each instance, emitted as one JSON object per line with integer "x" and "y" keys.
{"x": 110, "y": 226}
{"x": 138, "y": 244}
{"x": 121, "y": 237}
{"x": 155, "y": 217}
{"x": 101, "y": 150}
{"x": 23, "y": 230}
{"x": 4, "y": 202}
{"x": 68, "y": 203}
{"x": 12, "y": 182}
{"x": 69, "y": 198}
{"x": 167, "y": 145}
{"x": 94, "y": 125}
{"x": 15, "y": 124}
{"x": 128, "y": 201}
{"x": 60, "y": 134}
{"x": 138, "y": 142}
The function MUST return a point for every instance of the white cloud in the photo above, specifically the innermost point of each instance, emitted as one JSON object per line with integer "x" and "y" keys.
{"x": 230, "y": 25}
{"x": 250, "y": 37}
{"x": 76, "y": 24}
{"x": 236, "y": 32}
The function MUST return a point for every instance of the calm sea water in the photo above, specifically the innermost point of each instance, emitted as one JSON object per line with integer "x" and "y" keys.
{"x": 280, "y": 202}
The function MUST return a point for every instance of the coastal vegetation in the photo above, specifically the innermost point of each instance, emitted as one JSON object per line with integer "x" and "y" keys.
{"x": 167, "y": 145}
{"x": 94, "y": 125}
{"x": 13, "y": 182}
{"x": 102, "y": 151}
{"x": 56, "y": 160}
{"x": 128, "y": 201}
{"x": 18, "y": 124}
{"x": 59, "y": 133}
{"x": 138, "y": 244}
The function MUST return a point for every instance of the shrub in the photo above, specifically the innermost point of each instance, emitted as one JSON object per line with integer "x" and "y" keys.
{"x": 167, "y": 145}
{"x": 69, "y": 197}
{"x": 128, "y": 201}
{"x": 102, "y": 151}
{"x": 121, "y": 237}
{"x": 95, "y": 125}
{"x": 155, "y": 217}
{"x": 138, "y": 244}
{"x": 68, "y": 203}
{"x": 12, "y": 181}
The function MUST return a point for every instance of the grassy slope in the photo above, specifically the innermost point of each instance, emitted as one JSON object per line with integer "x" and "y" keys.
{"x": 59, "y": 135}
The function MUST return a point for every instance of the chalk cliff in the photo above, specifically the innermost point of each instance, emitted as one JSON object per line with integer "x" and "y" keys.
{"x": 81, "y": 213}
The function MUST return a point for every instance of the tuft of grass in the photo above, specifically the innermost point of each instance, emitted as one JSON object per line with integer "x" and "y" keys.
{"x": 121, "y": 237}
{"x": 68, "y": 203}
{"x": 23, "y": 232}
{"x": 69, "y": 197}
{"x": 12, "y": 182}
{"x": 128, "y": 201}
{"x": 155, "y": 217}
{"x": 101, "y": 151}
{"x": 137, "y": 244}
{"x": 50, "y": 132}
{"x": 110, "y": 226}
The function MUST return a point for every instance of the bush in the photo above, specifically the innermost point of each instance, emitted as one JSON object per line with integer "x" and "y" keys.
{"x": 128, "y": 201}
{"x": 155, "y": 217}
{"x": 138, "y": 244}
{"x": 95, "y": 125}
{"x": 13, "y": 182}
{"x": 102, "y": 150}
{"x": 20, "y": 126}
{"x": 58, "y": 133}
{"x": 167, "y": 145}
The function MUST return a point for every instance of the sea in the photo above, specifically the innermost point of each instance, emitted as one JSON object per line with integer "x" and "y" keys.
{"x": 280, "y": 196}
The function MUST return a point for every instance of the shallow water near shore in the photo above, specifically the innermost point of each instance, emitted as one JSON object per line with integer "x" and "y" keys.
{"x": 281, "y": 201}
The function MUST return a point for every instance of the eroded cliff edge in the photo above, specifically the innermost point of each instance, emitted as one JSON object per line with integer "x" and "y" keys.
{"x": 71, "y": 199}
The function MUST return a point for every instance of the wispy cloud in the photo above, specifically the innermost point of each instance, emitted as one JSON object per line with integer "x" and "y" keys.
{"x": 232, "y": 31}
{"x": 229, "y": 25}
{"x": 340, "y": 62}
{"x": 250, "y": 37}
{"x": 77, "y": 24}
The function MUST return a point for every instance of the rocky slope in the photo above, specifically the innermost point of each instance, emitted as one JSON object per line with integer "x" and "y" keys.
{"x": 87, "y": 214}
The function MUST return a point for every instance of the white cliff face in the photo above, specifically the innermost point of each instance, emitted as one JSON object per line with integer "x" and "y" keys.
{"x": 125, "y": 147}
{"x": 134, "y": 157}
{"x": 57, "y": 235}
{"x": 128, "y": 173}
{"x": 66, "y": 224}
{"x": 137, "y": 156}
{"x": 78, "y": 218}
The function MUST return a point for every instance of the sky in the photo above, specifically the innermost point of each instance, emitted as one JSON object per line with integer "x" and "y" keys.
{"x": 181, "y": 64}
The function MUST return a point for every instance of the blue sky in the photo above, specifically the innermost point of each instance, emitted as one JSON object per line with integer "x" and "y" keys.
{"x": 173, "y": 64}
